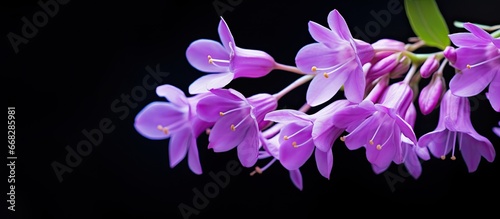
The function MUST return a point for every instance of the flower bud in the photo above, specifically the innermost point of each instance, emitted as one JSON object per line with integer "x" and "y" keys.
{"x": 429, "y": 67}
{"x": 382, "y": 67}
{"x": 431, "y": 94}
{"x": 450, "y": 54}
{"x": 401, "y": 68}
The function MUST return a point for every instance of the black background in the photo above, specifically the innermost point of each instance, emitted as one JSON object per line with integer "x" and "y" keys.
{"x": 65, "y": 78}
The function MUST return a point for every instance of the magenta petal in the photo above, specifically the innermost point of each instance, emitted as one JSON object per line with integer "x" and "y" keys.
{"x": 467, "y": 39}
{"x": 472, "y": 82}
{"x": 405, "y": 128}
{"x": 493, "y": 94}
{"x": 251, "y": 63}
{"x": 158, "y": 113}
{"x": 210, "y": 81}
{"x": 338, "y": 25}
{"x": 436, "y": 142}
{"x": 230, "y": 94}
{"x": 294, "y": 157}
{"x": 354, "y": 87}
{"x": 412, "y": 164}
{"x": 344, "y": 117}
{"x": 383, "y": 157}
{"x": 362, "y": 134}
{"x": 225, "y": 34}
{"x": 178, "y": 146}
{"x": 325, "y": 135}
{"x": 209, "y": 108}
{"x": 478, "y": 32}
{"x": 322, "y": 89}
{"x": 379, "y": 170}
{"x": 248, "y": 150}
{"x": 172, "y": 94}
{"x": 222, "y": 138}
{"x": 364, "y": 51}
{"x": 287, "y": 116}
{"x": 193, "y": 157}
{"x": 296, "y": 178}
{"x": 322, "y": 34}
{"x": 198, "y": 51}
{"x": 319, "y": 55}
{"x": 324, "y": 162}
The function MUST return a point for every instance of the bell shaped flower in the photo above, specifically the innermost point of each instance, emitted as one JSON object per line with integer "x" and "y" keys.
{"x": 303, "y": 134}
{"x": 337, "y": 59}
{"x": 237, "y": 121}
{"x": 478, "y": 64}
{"x": 378, "y": 127}
{"x": 272, "y": 148}
{"x": 455, "y": 128}
{"x": 225, "y": 61}
{"x": 176, "y": 120}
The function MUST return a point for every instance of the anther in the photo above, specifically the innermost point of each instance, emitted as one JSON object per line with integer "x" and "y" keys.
{"x": 295, "y": 144}
{"x": 325, "y": 75}
{"x": 313, "y": 68}
{"x": 257, "y": 170}
{"x": 163, "y": 129}
{"x": 453, "y": 158}
{"x": 285, "y": 137}
{"x": 379, "y": 147}
{"x": 469, "y": 67}
{"x": 342, "y": 138}
{"x": 233, "y": 128}
{"x": 443, "y": 157}
{"x": 371, "y": 142}
{"x": 207, "y": 131}
{"x": 221, "y": 114}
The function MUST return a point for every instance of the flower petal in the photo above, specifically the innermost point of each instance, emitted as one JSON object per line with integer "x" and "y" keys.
{"x": 210, "y": 107}
{"x": 249, "y": 63}
{"x": 210, "y": 81}
{"x": 319, "y": 55}
{"x": 248, "y": 149}
{"x": 193, "y": 157}
{"x": 382, "y": 158}
{"x": 296, "y": 178}
{"x": 322, "y": 34}
{"x": 493, "y": 93}
{"x": 197, "y": 55}
{"x": 222, "y": 138}
{"x": 478, "y": 32}
{"x": 225, "y": 34}
{"x": 178, "y": 146}
{"x": 322, "y": 89}
{"x": 472, "y": 82}
{"x": 412, "y": 164}
{"x": 287, "y": 116}
{"x": 158, "y": 113}
{"x": 324, "y": 162}
{"x": 338, "y": 25}
{"x": 466, "y": 39}
{"x": 435, "y": 141}
{"x": 364, "y": 51}
{"x": 361, "y": 135}
{"x": 324, "y": 136}
{"x": 172, "y": 94}
{"x": 354, "y": 87}
{"x": 352, "y": 114}
{"x": 294, "y": 157}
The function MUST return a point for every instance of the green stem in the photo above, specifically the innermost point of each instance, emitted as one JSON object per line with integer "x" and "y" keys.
{"x": 496, "y": 34}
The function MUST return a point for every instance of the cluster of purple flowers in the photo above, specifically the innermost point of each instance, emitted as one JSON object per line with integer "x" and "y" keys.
{"x": 378, "y": 112}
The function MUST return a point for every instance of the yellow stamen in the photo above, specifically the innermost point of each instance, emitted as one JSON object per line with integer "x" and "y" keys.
{"x": 342, "y": 138}
{"x": 295, "y": 144}
{"x": 453, "y": 158}
{"x": 379, "y": 147}
{"x": 233, "y": 128}
{"x": 371, "y": 142}
{"x": 257, "y": 170}
{"x": 313, "y": 68}
{"x": 221, "y": 114}
{"x": 443, "y": 157}
{"x": 469, "y": 67}
{"x": 325, "y": 75}
{"x": 285, "y": 137}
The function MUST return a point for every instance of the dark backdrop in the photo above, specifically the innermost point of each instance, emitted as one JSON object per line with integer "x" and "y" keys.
{"x": 89, "y": 54}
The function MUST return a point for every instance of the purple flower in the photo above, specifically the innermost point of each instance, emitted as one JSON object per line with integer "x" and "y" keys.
{"x": 226, "y": 60}
{"x": 238, "y": 121}
{"x": 455, "y": 127}
{"x": 430, "y": 65}
{"x": 177, "y": 120}
{"x": 303, "y": 134}
{"x": 478, "y": 64}
{"x": 272, "y": 148}
{"x": 430, "y": 95}
{"x": 337, "y": 58}
{"x": 378, "y": 127}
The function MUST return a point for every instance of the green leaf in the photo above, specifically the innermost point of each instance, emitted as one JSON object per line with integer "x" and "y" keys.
{"x": 427, "y": 22}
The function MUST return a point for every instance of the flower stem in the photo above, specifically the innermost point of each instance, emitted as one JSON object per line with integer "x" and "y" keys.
{"x": 288, "y": 68}
{"x": 293, "y": 85}
{"x": 496, "y": 34}
{"x": 410, "y": 73}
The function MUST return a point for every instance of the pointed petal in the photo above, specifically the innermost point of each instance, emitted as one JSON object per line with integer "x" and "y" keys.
{"x": 364, "y": 51}
{"x": 210, "y": 81}
{"x": 354, "y": 87}
{"x": 287, "y": 116}
{"x": 197, "y": 55}
{"x": 210, "y": 107}
{"x": 172, "y": 94}
{"x": 382, "y": 158}
{"x": 158, "y": 113}
{"x": 322, "y": 89}
{"x": 324, "y": 162}
{"x": 322, "y": 34}
{"x": 338, "y": 25}
{"x": 178, "y": 146}
{"x": 324, "y": 136}
{"x": 379, "y": 170}
{"x": 493, "y": 94}
{"x": 294, "y": 157}
{"x": 478, "y": 32}
{"x": 319, "y": 55}
{"x": 250, "y": 63}
{"x": 435, "y": 141}
{"x": 296, "y": 178}
{"x": 193, "y": 157}
{"x": 230, "y": 93}
{"x": 248, "y": 149}
{"x": 466, "y": 39}
{"x": 362, "y": 134}
{"x": 472, "y": 82}
{"x": 222, "y": 138}
{"x": 412, "y": 164}
{"x": 351, "y": 114}
{"x": 225, "y": 34}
